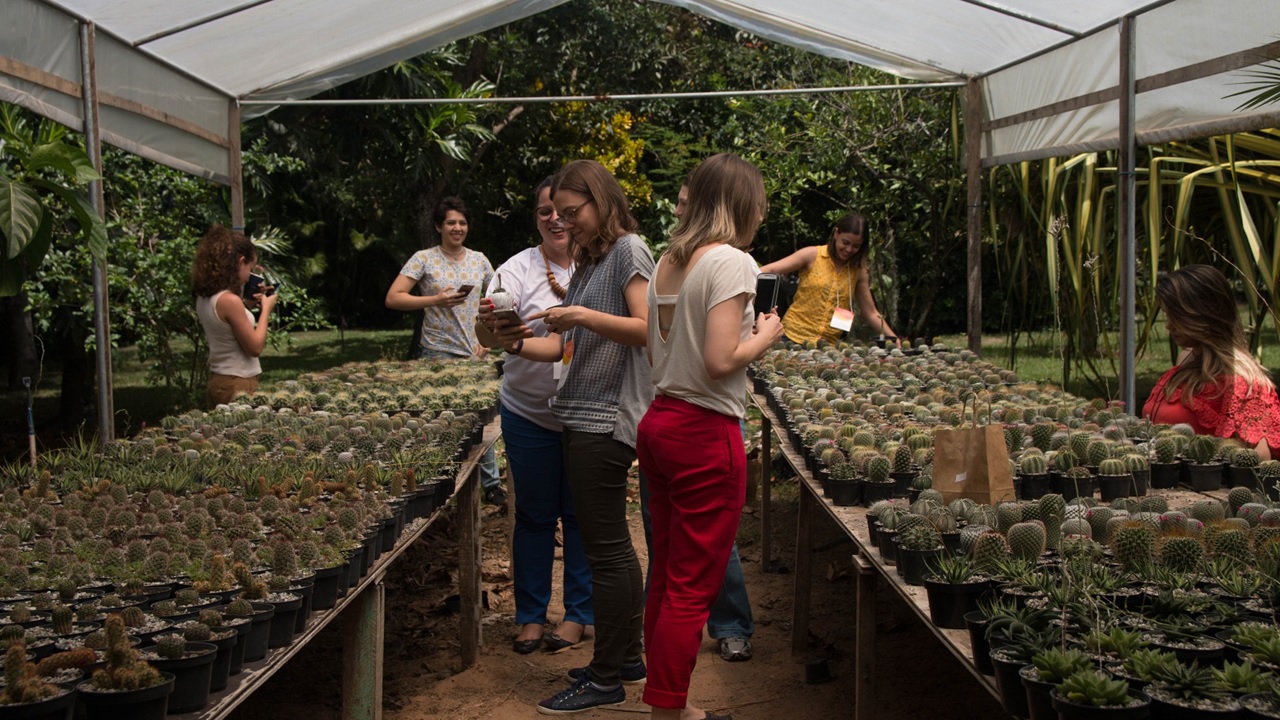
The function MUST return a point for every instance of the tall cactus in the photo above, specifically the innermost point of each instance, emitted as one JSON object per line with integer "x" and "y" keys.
{"x": 1052, "y": 512}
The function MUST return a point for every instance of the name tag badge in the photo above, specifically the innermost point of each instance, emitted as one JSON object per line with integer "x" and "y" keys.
{"x": 563, "y": 366}
{"x": 842, "y": 319}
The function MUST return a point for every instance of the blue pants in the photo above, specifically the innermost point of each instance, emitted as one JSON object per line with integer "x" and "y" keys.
{"x": 731, "y": 612}
{"x": 535, "y": 457}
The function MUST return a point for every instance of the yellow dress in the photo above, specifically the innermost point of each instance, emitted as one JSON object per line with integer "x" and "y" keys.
{"x": 821, "y": 287}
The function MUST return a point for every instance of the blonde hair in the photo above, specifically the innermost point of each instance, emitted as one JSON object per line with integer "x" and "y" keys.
{"x": 726, "y": 205}
{"x": 1198, "y": 304}
{"x": 591, "y": 179}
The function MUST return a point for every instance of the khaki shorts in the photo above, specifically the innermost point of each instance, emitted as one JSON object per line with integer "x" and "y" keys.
{"x": 222, "y": 388}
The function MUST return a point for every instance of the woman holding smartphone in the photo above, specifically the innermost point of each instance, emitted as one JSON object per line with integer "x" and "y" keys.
{"x": 702, "y": 334}
{"x": 597, "y": 336}
{"x": 446, "y": 277}
{"x": 224, "y": 261}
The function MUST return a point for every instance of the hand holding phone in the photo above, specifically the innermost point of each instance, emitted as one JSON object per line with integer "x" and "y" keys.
{"x": 766, "y": 293}
{"x": 464, "y": 290}
{"x": 252, "y": 286}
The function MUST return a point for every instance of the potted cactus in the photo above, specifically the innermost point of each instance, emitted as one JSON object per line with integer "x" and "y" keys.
{"x": 1190, "y": 691}
{"x": 1203, "y": 472}
{"x": 902, "y": 470}
{"x": 27, "y": 695}
{"x": 1268, "y": 474}
{"x": 191, "y": 664}
{"x": 1165, "y": 469}
{"x": 846, "y": 486}
{"x": 127, "y": 688}
{"x": 919, "y": 547}
{"x": 877, "y": 485}
{"x": 954, "y": 587}
{"x": 1242, "y": 470}
{"x": 1114, "y": 480}
{"x": 1034, "y": 471}
{"x": 1049, "y": 668}
{"x": 1140, "y": 469}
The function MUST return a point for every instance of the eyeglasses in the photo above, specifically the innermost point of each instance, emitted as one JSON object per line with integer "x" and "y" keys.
{"x": 545, "y": 212}
{"x": 570, "y": 214}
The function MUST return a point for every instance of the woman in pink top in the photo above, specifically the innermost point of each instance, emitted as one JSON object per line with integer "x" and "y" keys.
{"x": 701, "y": 337}
{"x": 224, "y": 261}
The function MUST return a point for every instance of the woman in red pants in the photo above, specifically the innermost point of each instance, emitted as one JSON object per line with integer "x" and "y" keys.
{"x": 701, "y": 337}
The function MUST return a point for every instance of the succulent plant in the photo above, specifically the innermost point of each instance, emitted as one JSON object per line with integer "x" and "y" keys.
{"x": 171, "y": 646}
{"x": 1201, "y": 449}
{"x": 1032, "y": 464}
{"x": 990, "y": 549}
{"x": 1064, "y": 460}
{"x": 22, "y": 683}
{"x": 125, "y": 669}
{"x": 1112, "y": 467}
{"x": 1134, "y": 546}
{"x": 919, "y": 536}
{"x": 1165, "y": 448}
{"x": 1183, "y": 554}
{"x": 1091, "y": 687}
{"x": 1008, "y": 514}
{"x": 1055, "y": 665}
{"x": 1027, "y": 540}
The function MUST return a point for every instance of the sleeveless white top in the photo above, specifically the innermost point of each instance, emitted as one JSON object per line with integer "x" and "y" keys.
{"x": 226, "y": 357}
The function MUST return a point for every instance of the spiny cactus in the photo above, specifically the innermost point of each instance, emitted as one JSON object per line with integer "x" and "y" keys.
{"x": 80, "y": 658}
{"x": 1181, "y": 553}
{"x": 22, "y": 683}
{"x": 1008, "y": 514}
{"x": 990, "y": 550}
{"x": 1065, "y": 460}
{"x": 1233, "y": 546}
{"x": 1134, "y": 462}
{"x": 1097, "y": 452}
{"x": 1112, "y": 467}
{"x": 171, "y": 647}
{"x": 877, "y": 468}
{"x": 1166, "y": 449}
{"x": 1201, "y": 449}
{"x": 1052, "y": 512}
{"x": 1238, "y": 497}
{"x": 1134, "y": 546}
{"x": 1042, "y": 435}
{"x": 239, "y": 607}
{"x": 1026, "y": 540}
{"x": 1076, "y": 526}
{"x": 125, "y": 669}
{"x": 921, "y": 536}
{"x": 1153, "y": 504}
{"x": 1032, "y": 464}
{"x": 902, "y": 459}
{"x": 1207, "y": 511}
{"x": 62, "y": 617}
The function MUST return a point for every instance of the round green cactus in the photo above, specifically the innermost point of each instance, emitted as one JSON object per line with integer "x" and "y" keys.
{"x": 1033, "y": 465}
{"x": 1166, "y": 449}
{"x": 1064, "y": 460}
{"x": 171, "y": 647}
{"x": 1207, "y": 511}
{"x": 1181, "y": 553}
{"x": 990, "y": 549}
{"x": 1201, "y": 449}
{"x": 1027, "y": 540}
{"x": 877, "y": 468}
{"x": 1098, "y": 451}
{"x": 1008, "y": 514}
{"x": 1112, "y": 467}
{"x": 1134, "y": 546}
{"x": 920, "y": 537}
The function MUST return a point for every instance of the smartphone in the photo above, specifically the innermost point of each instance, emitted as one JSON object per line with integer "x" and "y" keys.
{"x": 510, "y": 316}
{"x": 253, "y": 286}
{"x": 766, "y": 292}
{"x": 464, "y": 290}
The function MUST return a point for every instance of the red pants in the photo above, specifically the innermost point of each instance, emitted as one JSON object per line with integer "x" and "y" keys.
{"x": 696, "y": 467}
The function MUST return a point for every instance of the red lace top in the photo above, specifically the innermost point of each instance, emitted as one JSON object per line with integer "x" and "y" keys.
{"x": 1231, "y": 414}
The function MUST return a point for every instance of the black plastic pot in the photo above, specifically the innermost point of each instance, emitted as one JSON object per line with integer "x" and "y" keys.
{"x": 1141, "y": 481}
{"x": 888, "y": 542}
{"x": 902, "y": 482}
{"x": 950, "y": 604}
{"x": 358, "y": 566}
{"x": 873, "y": 529}
{"x": 1039, "y": 704}
{"x": 241, "y": 629}
{"x": 255, "y": 643}
{"x": 1260, "y": 706}
{"x": 1067, "y": 710}
{"x": 305, "y": 588}
{"x": 873, "y": 491}
{"x": 324, "y": 594}
{"x": 1009, "y": 682}
{"x": 58, "y": 707}
{"x": 1166, "y": 710}
{"x": 1070, "y": 488}
{"x": 146, "y": 704}
{"x": 976, "y": 624}
{"x": 1165, "y": 475}
{"x": 1034, "y": 487}
{"x": 951, "y": 541}
{"x": 846, "y": 493}
{"x": 282, "y": 622}
{"x": 192, "y": 676}
{"x": 915, "y": 565}
{"x": 1211, "y": 655}
{"x": 1242, "y": 477}
{"x": 1204, "y": 478}
{"x": 1112, "y": 487}
{"x": 222, "y": 661}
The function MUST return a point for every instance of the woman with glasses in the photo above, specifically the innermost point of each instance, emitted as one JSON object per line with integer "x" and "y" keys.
{"x": 537, "y": 279}
{"x": 702, "y": 334}
{"x": 597, "y": 337}
{"x": 1216, "y": 386}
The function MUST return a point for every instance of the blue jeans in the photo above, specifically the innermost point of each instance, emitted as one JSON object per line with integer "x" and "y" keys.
{"x": 535, "y": 457}
{"x": 489, "y": 477}
{"x": 731, "y": 612}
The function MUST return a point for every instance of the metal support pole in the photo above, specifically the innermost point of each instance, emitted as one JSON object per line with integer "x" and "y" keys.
{"x": 1126, "y": 213}
{"x": 973, "y": 174}
{"x": 101, "y": 309}
{"x": 235, "y": 169}
{"x": 362, "y": 648}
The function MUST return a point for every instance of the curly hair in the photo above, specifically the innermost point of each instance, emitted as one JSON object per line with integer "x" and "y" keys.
{"x": 590, "y": 178}
{"x": 1201, "y": 314}
{"x": 217, "y": 264}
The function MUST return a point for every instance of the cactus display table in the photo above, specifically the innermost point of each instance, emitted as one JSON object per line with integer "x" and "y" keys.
{"x": 363, "y": 609}
{"x": 869, "y": 566}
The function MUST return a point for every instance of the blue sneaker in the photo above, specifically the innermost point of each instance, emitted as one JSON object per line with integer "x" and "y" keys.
{"x": 582, "y": 695}
{"x": 630, "y": 675}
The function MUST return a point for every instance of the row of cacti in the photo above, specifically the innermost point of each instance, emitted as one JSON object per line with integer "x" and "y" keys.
{"x": 386, "y": 386}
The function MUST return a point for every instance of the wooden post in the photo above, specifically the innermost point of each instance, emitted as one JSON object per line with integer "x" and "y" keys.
{"x": 235, "y": 168}
{"x": 101, "y": 294}
{"x": 766, "y": 499}
{"x": 804, "y": 569}
{"x": 1126, "y": 214}
{"x": 362, "y": 635}
{"x": 469, "y": 567}
{"x": 865, "y": 653}
{"x": 973, "y": 174}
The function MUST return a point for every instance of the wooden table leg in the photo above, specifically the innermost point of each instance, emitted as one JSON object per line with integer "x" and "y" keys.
{"x": 469, "y": 568}
{"x": 362, "y": 633}
{"x": 864, "y": 655}
{"x": 766, "y": 500}
{"x": 804, "y": 570}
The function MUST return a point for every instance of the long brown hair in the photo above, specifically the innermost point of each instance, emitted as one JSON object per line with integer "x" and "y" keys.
{"x": 856, "y": 224}
{"x": 591, "y": 179}
{"x": 217, "y": 264}
{"x": 1200, "y": 307}
{"x": 726, "y": 204}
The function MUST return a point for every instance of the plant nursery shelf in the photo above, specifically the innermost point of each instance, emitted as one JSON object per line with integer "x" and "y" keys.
{"x": 363, "y": 607}
{"x": 869, "y": 567}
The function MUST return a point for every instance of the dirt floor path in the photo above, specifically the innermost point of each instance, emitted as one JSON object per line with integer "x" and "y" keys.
{"x": 915, "y": 676}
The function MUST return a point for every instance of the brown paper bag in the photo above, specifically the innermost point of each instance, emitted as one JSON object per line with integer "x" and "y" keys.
{"x": 972, "y": 462}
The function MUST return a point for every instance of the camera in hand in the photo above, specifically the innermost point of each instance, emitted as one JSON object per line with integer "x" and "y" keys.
{"x": 254, "y": 285}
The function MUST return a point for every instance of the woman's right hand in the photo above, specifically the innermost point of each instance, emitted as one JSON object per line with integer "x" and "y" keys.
{"x": 266, "y": 302}
{"x": 448, "y": 297}
{"x": 770, "y": 326}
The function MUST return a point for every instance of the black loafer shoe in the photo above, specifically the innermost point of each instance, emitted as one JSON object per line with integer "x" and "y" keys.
{"x": 555, "y": 642}
{"x": 524, "y": 647}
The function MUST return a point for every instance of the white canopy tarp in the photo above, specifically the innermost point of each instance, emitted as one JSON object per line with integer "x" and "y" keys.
{"x": 171, "y": 74}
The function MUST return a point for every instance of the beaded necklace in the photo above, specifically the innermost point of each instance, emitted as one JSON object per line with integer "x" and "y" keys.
{"x": 556, "y": 288}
